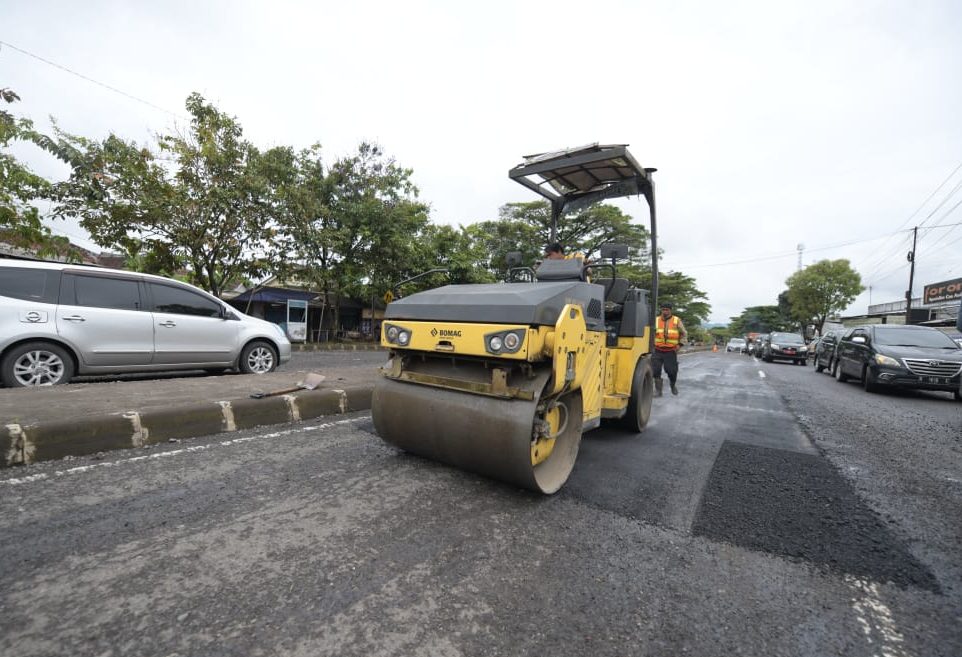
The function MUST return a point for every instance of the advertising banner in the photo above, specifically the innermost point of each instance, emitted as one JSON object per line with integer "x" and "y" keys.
{"x": 944, "y": 291}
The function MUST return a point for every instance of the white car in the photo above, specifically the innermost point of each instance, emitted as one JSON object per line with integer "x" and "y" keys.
{"x": 59, "y": 320}
{"x": 737, "y": 345}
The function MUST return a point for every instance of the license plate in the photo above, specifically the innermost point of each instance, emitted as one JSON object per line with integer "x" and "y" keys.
{"x": 935, "y": 379}
{"x": 790, "y": 351}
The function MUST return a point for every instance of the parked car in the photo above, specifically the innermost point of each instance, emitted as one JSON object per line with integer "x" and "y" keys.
{"x": 916, "y": 357}
{"x": 825, "y": 350}
{"x": 60, "y": 320}
{"x": 735, "y": 344}
{"x": 784, "y": 346}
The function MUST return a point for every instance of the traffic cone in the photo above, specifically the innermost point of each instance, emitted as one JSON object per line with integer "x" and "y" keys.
{"x": 714, "y": 347}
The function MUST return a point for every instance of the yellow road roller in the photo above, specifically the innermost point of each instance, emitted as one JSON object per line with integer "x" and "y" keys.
{"x": 502, "y": 379}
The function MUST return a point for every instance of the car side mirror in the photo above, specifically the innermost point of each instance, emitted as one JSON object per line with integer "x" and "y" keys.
{"x": 858, "y": 339}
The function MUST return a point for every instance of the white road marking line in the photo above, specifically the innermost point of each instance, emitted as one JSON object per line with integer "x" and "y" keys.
{"x": 761, "y": 374}
{"x": 175, "y": 452}
{"x": 876, "y": 620}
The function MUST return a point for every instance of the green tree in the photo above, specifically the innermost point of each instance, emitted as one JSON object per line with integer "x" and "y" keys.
{"x": 351, "y": 227}
{"x": 689, "y": 302}
{"x": 21, "y": 223}
{"x": 823, "y": 288}
{"x": 457, "y": 249}
{"x": 759, "y": 319}
{"x": 720, "y": 334}
{"x": 204, "y": 201}
{"x": 584, "y": 232}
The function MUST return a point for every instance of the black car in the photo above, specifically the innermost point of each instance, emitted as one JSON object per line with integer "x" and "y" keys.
{"x": 825, "y": 350}
{"x": 784, "y": 346}
{"x": 916, "y": 357}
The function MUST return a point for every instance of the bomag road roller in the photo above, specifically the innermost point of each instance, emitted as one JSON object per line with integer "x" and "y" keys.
{"x": 502, "y": 379}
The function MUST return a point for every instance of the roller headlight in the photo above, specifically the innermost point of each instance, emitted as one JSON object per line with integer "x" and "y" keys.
{"x": 392, "y": 332}
{"x": 403, "y": 337}
{"x": 504, "y": 342}
{"x": 886, "y": 360}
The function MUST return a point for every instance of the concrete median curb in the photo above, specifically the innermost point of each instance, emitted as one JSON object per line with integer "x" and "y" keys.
{"x": 45, "y": 441}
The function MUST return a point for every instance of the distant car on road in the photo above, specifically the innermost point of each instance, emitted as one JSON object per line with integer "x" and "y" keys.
{"x": 784, "y": 346}
{"x": 825, "y": 350}
{"x": 756, "y": 346}
{"x": 736, "y": 344}
{"x": 914, "y": 357}
{"x": 59, "y": 320}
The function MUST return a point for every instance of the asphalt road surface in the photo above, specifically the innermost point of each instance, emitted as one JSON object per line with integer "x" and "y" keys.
{"x": 767, "y": 510}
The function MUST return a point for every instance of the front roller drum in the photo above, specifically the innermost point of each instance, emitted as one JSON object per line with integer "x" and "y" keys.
{"x": 486, "y": 435}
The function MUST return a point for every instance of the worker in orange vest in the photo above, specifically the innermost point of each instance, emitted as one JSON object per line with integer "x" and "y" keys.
{"x": 670, "y": 334}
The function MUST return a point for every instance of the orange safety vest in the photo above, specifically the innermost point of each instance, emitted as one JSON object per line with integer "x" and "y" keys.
{"x": 672, "y": 340}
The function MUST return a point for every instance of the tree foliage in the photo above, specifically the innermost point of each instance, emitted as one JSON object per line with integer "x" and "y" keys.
{"x": 759, "y": 319}
{"x": 583, "y": 232}
{"x": 21, "y": 222}
{"x": 205, "y": 204}
{"x": 823, "y": 288}
{"x": 203, "y": 201}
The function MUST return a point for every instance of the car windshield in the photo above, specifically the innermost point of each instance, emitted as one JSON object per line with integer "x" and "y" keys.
{"x": 737, "y": 341}
{"x": 906, "y": 337}
{"x": 787, "y": 337}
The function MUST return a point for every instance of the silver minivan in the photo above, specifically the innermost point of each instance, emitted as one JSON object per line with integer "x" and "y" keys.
{"x": 60, "y": 320}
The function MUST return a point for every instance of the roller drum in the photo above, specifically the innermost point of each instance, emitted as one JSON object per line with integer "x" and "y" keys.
{"x": 477, "y": 433}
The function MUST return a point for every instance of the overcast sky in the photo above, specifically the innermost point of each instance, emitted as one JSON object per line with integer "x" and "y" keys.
{"x": 772, "y": 124}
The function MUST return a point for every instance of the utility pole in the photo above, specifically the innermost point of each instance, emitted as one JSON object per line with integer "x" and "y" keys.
{"x": 801, "y": 249}
{"x": 911, "y": 259}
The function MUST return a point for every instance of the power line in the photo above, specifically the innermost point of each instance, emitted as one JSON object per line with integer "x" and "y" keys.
{"x": 944, "y": 201}
{"x": 787, "y": 254}
{"x": 89, "y": 79}
{"x": 879, "y": 261}
{"x": 929, "y": 197}
{"x": 880, "y": 264}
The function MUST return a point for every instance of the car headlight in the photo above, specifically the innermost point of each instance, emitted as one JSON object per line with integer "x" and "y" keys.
{"x": 775, "y": 346}
{"x": 886, "y": 360}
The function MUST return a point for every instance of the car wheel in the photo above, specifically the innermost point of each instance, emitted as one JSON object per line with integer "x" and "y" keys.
{"x": 36, "y": 364}
{"x": 868, "y": 380}
{"x": 258, "y": 358}
{"x": 840, "y": 376}
{"x": 818, "y": 366}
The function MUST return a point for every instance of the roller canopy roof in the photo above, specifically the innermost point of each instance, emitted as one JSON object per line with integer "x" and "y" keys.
{"x": 578, "y": 177}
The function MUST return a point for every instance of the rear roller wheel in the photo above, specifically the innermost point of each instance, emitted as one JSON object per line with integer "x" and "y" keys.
{"x": 639, "y": 404}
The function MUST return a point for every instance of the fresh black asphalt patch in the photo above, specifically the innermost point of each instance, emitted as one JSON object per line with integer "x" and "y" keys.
{"x": 798, "y": 506}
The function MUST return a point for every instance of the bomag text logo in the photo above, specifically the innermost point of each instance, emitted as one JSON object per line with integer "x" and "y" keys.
{"x": 446, "y": 333}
